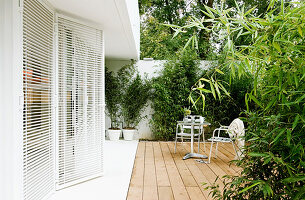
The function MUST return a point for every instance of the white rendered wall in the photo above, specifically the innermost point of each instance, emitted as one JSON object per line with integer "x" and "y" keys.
{"x": 133, "y": 10}
{"x": 10, "y": 94}
{"x": 151, "y": 69}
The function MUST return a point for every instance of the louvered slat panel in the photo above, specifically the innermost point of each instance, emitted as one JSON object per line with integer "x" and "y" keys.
{"x": 38, "y": 83}
{"x": 80, "y": 95}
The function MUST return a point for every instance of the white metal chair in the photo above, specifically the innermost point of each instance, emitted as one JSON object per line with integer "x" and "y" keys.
{"x": 235, "y": 132}
{"x": 181, "y": 132}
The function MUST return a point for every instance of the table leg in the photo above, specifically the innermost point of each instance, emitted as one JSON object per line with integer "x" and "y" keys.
{"x": 192, "y": 154}
{"x": 192, "y": 139}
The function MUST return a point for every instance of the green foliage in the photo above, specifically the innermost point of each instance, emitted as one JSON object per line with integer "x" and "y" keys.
{"x": 134, "y": 100}
{"x": 134, "y": 94}
{"x": 223, "y": 111}
{"x": 156, "y": 38}
{"x": 273, "y": 166}
{"x": 112, "y": 98}
{"x": 170, "y": 92}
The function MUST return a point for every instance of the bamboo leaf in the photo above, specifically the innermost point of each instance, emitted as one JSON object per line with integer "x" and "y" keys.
{"x": 277, "y": 47}
{"x": 249, "y": 11}
{"x": 278, "y": 136}
{"x": 219, "y": 71}
{"x": 295, "y": 123}
{"x": 251, "y": 186}
{"x": 294, "y": 179}
{"x": 256, "y": 154}
{"x": 204, "y": 90}
{"x": 300, "y": 31}
{"x": 211, "y": 15}
{"x": 213, "y": 90}
{"x": 255, "y": 100}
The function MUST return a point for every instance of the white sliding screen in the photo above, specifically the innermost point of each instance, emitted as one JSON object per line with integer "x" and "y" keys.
{"x": 38, "y": 132}
{"x": 80, "y": 102}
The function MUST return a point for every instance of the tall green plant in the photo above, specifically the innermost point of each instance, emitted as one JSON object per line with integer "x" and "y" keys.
{"x": 274, "y": 162}
{"x": 170, "y": 92}
{"x": 134, "y": 99}
{"x": 112, "y": 98}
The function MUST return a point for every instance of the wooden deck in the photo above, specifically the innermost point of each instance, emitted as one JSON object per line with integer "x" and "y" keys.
{"x": 160, "y": 174}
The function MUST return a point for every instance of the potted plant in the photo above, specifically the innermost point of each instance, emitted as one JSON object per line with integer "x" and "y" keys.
{"x": 112, "y": 98}
{"x": 134, "y": 98}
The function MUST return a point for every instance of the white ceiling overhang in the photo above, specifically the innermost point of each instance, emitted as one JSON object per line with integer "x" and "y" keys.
{"x": 119, "y": 19}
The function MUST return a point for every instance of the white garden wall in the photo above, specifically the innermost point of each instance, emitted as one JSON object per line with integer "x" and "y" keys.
{"x": 151, "y": 68}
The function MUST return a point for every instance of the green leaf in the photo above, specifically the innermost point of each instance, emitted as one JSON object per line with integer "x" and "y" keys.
{"x": 219, "y": 71}
{"x": 278, "y": 136}
{"x": 224, "y": 89}
{"x": 277, "y": 47}
{"x": 294, "y": 179}
{"x": 295, "y": 123}
{"x": 204, "y": 79}
{"x": 282, "y": 7}
{"x": 211, "y": 15}
{"x": 187, "y": 43}
{"x": 300, "y": 31}
{"x": 256, "y": 154}
{"x": 251, "y": 186}
{"x": 255, "y": 100}
{"x": 204, "y": 90}
{"x": 271, "y": 4}
{"x": 213, "y": 90}
{"x": 249, "y": 11}
{"x": 289, "y": 136}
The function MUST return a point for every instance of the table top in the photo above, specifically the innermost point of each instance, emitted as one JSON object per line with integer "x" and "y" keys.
{"x": 193, "y": 123}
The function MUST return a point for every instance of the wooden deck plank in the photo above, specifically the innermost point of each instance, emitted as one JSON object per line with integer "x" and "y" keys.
{"x": 136, "y": 184}
{"x": 161, "y": 172}
{"x": 185, "y": 174}
{"x": 222, "y": 161}
{"x": 196, "y": 172}
{"x": 207, "y": 170}
{"x": 150, "y": 190}
{"x": 179, "y": 190}
{"x": 165, "y": 193}
{"x": 195, "y": 193}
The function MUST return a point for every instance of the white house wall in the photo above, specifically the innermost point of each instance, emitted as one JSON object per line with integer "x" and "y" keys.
{"x": 10, "y": 100}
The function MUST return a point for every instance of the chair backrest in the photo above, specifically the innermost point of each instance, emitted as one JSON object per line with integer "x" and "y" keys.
{"x": 195, "y": 118}
{"x": 198, "y": 119}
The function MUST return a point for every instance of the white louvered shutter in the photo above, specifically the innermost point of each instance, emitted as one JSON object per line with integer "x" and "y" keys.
{"x": 80, "y": 95}
{"x": 38, "y": 162}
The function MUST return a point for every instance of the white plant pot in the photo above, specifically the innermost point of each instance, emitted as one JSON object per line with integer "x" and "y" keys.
{"x": 114, "y": 135}
{"x": 128, "y": 134}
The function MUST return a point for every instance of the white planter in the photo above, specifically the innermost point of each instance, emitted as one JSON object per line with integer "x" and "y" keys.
{"x": 114, "y": 135}
{"x": 128, "y": 134}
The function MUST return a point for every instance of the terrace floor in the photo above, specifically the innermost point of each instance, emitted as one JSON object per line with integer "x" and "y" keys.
{"x": 159, "y": 173}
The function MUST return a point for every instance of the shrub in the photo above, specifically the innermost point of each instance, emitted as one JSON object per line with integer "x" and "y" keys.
{"x": 134, "y": 100}
{"x": 225, "y": 110}
{"x": 112, "y": 98}
{"x": 170, "y": 92}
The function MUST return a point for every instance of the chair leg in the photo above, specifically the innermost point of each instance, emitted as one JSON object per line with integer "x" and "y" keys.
{"x": 211, "y": 151}
{"x": 211, "y": 146}
{"x": 198, "y": 143}
{"x": 203, "y": 141}
{"x": 176, "y": 144}
{"x": 216, "y": 150}
{"x": 235, "y": 150}
{"x": 217, "y": 145}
